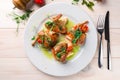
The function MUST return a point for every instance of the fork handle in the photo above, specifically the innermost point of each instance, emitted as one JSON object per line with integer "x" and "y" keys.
{"x": 99, "y": 54}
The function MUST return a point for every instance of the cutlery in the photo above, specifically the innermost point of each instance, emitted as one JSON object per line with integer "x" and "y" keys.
{"x": 100, "y": 28}
{"x": 107, "y": 38}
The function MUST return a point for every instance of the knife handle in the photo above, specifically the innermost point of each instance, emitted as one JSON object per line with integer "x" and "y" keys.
{"x": 108, "y": 56}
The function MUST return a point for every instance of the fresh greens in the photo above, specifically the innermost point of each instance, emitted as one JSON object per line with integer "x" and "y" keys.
{"x": 49, "y": 23}
{"x": 20, "y": 18}
{"x": 58, "y": 55}
{"x": 88, "y": 3}
{"x": 62, "y": 50}
{"x": 43, "y": 38}
{"x": 77, "y": 35}
{"x": 33, "y": 38}
{"x": 75, "y": 1}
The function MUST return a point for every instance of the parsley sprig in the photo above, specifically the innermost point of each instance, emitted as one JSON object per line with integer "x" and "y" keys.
{"x": 77, "y": 35}
{"x": 62, "y": 50}
{"x": 75, "y": 1}
{"x": 33, "y": 38}
{"x": 50, "y": 24}
{"x": 87, "y": 3}
{"x": 20, "y": 18}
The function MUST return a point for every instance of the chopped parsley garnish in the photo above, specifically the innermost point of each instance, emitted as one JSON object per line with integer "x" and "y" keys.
{"x": 58, "y": 55}
{"x": 62, "y": 50}
{"x": 77, "y": 35}
{"x": 49, "y": 23}
{"x": 43, "y": 38}
{"x": 33, "y": 38}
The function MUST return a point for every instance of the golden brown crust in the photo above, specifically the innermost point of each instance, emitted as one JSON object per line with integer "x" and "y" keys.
{"x": 19, "y": 4}
{"x": 56, "y": 18}
{"x": 82, "y": 39}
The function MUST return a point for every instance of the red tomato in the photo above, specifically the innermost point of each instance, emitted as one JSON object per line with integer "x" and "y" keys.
{"x": 39, "y": 41}
{"x": 69, "y": 48}
{"x": 75, "y": 27}
{"x": 40, "y": 2}
{"x": 84, "y": 28}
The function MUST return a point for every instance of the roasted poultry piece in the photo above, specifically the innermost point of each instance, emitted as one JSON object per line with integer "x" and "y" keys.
{"x": 46, "y": 38}
{"x": 78, "y": 33}
{"x": 61, "y": 50}
{"x": 57, "y": 24}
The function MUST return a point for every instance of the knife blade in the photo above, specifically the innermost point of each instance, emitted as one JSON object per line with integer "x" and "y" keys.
{"x": 107, "y": 38}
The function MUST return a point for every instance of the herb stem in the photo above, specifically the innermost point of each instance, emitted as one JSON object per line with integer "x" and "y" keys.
{"x": 20, "y": 18}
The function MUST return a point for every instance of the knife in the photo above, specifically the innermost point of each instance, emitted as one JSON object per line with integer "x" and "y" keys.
{"x": 107, "y": 38}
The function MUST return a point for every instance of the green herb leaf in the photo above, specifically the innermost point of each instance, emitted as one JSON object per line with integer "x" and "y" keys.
{"x": 23, "y": 17}
{"x": 62, "y": 50}
{"x": 88, "y": 3}
{"x": 75, "y": 2}
{"x": 58, "y": 55}
{"x": 49, "y": 23}
{"x": 91, "y": 3}
{"x": 43, "y": 38}
{"x": 77, "y": 35}
{"x": 33, "y": 38}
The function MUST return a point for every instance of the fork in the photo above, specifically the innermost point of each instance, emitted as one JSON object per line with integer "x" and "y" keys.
{"x": 100, "y": 29}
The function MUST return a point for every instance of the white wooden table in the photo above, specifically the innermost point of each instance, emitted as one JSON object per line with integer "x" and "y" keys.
{"x": 14, "y": 64}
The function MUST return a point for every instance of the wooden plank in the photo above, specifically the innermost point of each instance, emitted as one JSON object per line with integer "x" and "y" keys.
{"x": 13, "y": 46}
{"x": 22, "y": 69}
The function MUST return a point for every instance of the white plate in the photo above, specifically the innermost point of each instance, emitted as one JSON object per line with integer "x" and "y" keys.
{"x": 52, "y": 67}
